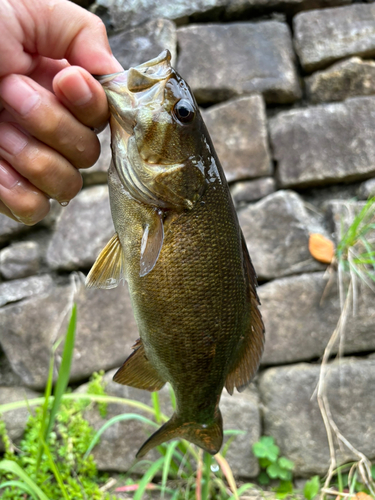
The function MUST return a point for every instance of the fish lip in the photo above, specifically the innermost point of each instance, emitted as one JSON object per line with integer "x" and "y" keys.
{"x": 106, "y": 78}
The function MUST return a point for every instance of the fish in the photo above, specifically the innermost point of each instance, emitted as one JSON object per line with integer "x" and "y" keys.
{"x": 179, "y": 246}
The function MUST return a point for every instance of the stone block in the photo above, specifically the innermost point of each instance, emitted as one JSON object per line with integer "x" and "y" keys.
{"x": 292, "y": 416}
{"x": 301, "y": 313}
{"x": 342, "y": 213}
{"x": 105, "y": 332}
{"x": 342, "y": 80}
{"x": 124, "y": 13}
{"x": 20, "y": 260}
{"x": 325, "y": 144}
{"x": 82, "y": 230}
{"x": 220, "y": 61}
{"x": 237, "y": 9}
{"x": 366, "y": 189}
{"x": 138, "y": 45}
{"x": 324, "y": 36}
{"x": 16, "y": 290}
{"x": 15, "y": 420}
{"x": 10, "y": 228}
{"x": 239, "y": 133}
{"x": 276, "y": 231}
{"x": 244, "y": 192}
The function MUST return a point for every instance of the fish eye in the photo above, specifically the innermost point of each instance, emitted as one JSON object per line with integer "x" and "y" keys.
{"x": 184, "y": 111}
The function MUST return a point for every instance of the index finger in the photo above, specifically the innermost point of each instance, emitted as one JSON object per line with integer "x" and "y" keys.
{"x": 57, "y": 29}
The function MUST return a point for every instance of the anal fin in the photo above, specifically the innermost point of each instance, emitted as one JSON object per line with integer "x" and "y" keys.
{"x": 138, "y": 372}
{"x": 250, "y": 348}
{"x": 109, "y": 267}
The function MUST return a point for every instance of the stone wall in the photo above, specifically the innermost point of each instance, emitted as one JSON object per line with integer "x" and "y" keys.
{"x": 287, "y": 89}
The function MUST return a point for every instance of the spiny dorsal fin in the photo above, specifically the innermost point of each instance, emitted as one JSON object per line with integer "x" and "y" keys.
{"x": 152, "y": 241}
{"x": 109, "y": 267}
{"x": 138, "y": 372}
{"x": 251, "y": 346}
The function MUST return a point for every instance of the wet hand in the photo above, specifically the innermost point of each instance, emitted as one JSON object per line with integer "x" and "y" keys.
{"x": 49, "y": 102}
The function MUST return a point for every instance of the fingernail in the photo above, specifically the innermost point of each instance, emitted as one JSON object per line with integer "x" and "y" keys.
{"x": 19, "y": 95}
{"x": 8, "y": 176}
{"x": 12, "y": 140}
{"x": 76, "y": 90}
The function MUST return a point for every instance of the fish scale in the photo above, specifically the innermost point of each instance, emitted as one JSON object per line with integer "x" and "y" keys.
{"x": 191, "y": 281}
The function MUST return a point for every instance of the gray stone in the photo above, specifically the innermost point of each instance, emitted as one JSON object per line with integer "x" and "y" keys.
{"x": 241, "y": 412}
{"x": 239, "y": 133}
{"x": 236, "y": 9}
{"x": 8, "y": 377}
{"x": 20, "y": 260}
{"x": 301, "y": 312}
{"x": 104, "y": 322}
{"x": 244, "y": 192}
{"x": 120, "y": 442}
{"x": 292, "y": 417}
{"x": 97, "y": 174}
{"x": 82, "y": 230}
{"x": 220, "y": 61}
{"x": 16, "y": 290}
{"x": 145, "y": 42}
{"x": 129, "y": 13}
{"x": 366, "y": 189}
{"x": 325, "y": 144}
{"x": 324, "y": 36}
{"x": 15, "y": 420}
{"x": 344, "y": 79}
{"x": 9, "y": 228}
{"x": 277, "y": 230}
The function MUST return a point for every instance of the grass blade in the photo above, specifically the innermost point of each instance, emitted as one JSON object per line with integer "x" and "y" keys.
{"x": 167, "y": 463}
{"x": 148, "y": 476}
{"x": 21, "y": 486}
{"x": 156, "y": 405}
{"x": 227, "y": 471}
{"x": 55, "y": 470}
{"x": 113, "y": 420}
{"x": 13, "y": 468}
{"x": 64, "y": 371}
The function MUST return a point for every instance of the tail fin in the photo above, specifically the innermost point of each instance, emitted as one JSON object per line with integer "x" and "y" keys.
{"x": 209, "y": 437}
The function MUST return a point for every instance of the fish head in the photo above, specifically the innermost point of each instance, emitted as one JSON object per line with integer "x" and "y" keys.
{"x": 158, "y": 135}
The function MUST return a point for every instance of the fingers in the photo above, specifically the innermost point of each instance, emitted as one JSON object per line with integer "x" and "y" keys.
{"x": 46, "y": 169}
{"x": 82, "y": 95}
{"x": 41, "y": 114}
{"x": 19, "y": 199}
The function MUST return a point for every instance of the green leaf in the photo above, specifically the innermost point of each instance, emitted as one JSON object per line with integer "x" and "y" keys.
{"x": 311, "y": 488}
{"x": 264, "y": 462}
{"x": 263, "y": 478}
{"x": 373, "y": 472}
{"x": 284, "y": 489}
{"x": 13, "y": 468}
{"x": 22, "y": 486}
{"x": 277, "y": 472}
{"x": 266, "y": 448}
{"x": 285, "y": 463}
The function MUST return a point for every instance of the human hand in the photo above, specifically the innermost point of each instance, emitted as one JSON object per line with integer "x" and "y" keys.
{"x": 49, "y": 102}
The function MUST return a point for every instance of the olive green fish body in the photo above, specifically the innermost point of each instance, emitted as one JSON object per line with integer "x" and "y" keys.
{"x": 191, "y": 283}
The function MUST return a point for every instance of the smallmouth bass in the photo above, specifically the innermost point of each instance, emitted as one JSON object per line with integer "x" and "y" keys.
{"x": 179, "y": 246}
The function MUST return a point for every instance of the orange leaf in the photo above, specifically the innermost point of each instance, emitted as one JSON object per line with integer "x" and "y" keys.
{"x": 362, "y": 496}
{"x": 321, "y": 248}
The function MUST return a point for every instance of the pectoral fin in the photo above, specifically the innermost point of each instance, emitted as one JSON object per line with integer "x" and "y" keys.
{"x": 138, "y": 372}
{"x": 250, "y": 347}
{"x": 152, "y": 242}
{"x": 109, "y": 267}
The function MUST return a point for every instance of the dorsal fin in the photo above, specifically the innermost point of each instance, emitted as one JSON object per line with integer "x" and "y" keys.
{"x": 109, "y": 267}
{"x": 138, "y": 372}
{"x": 250, "y": 348}
{"x": 152, "y": 242}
